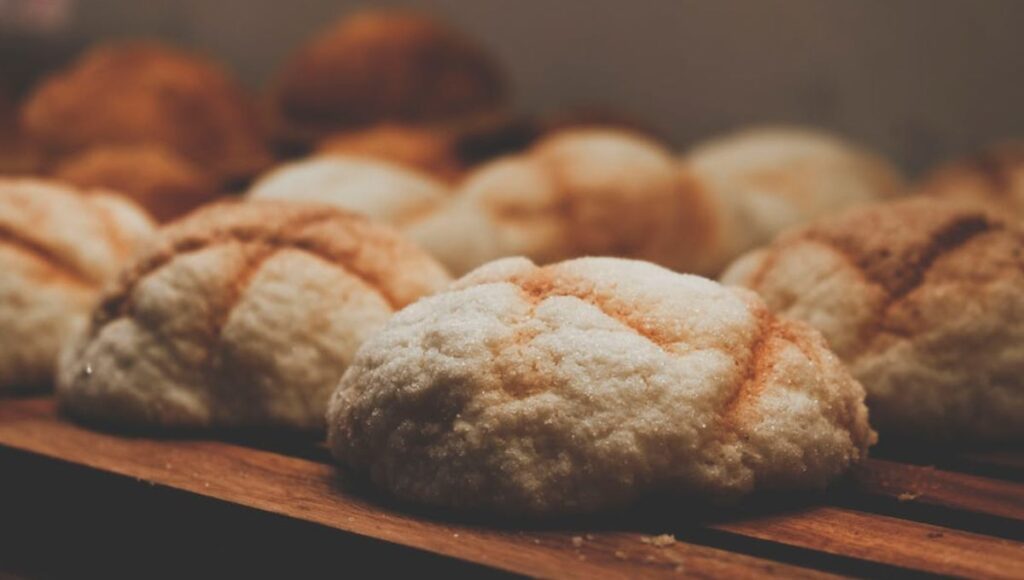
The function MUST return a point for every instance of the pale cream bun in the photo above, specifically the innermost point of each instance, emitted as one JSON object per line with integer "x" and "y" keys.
{"x": 243, "y": 314}
{"x": 59, "y": 246}
{"x": 923, "y": 300}
{"x": 588, "y": 385}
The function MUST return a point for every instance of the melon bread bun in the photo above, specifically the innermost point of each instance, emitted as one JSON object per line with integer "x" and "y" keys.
{"x": 922, "y": 299}
{"x": 59, "y": 246}
{"x": 589, "y": 384}
{"x": 242, "y": 314}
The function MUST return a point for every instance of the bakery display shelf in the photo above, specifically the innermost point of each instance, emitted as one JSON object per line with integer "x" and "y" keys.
{"x": 903, "y": 514}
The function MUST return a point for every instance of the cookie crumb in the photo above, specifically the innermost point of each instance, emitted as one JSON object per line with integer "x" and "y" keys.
{"x": 577, "y": 541}
{"x": 934, "y": 535}
{"x": 680, "y": 569}
{"x": 620, "y": 554}
{"x": 908, "y": 496}
{"x": 662, "y": 541}
{"x": 588, "y": 536}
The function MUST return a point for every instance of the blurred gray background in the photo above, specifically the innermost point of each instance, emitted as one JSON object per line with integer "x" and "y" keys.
{"x": 919, "y": 80}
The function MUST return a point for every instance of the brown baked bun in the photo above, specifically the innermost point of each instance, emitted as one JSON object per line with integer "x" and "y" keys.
{"x": 428, "y": 150}
{"x": 923, "y": 300}
{"x": 993, "y": 178}
{"x": 161, "y": 181}
{"x": 383, "y": 65}
{"x": 145, "y": 93}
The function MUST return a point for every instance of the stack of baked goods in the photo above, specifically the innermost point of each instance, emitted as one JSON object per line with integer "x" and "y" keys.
{"x": 579, "y": 362}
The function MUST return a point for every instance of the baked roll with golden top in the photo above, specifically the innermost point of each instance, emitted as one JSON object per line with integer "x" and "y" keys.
{"x": 380, "y": 190}
{"x": 145, "y": 93}
{"x": 992, "y": 178}
{"x": 430, "y": 151}
{"x": 588, "y": 385}
{"x": 923, "y": 300}
{"x": 576, "y": 193}
{"x": 58, "y": 248}
{"x": 767, "y": 179}
{"x": 242, "y": 314}
{"x": 383, "y": 66}
{"x": 158, "y": 179}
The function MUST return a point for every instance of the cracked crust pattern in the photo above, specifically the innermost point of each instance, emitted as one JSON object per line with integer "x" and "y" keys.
{"x": 576, "y": 193}
{"x": 589, "y": 384}
{"x": 58, "y": 247}
{"x": 923, "y": 299}
{"x": 241, "y": 314}
{"x": 993, "y": 178}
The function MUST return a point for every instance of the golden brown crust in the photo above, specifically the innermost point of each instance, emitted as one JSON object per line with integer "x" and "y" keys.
{"x": 429, "y": 150}
{"x": 135, "y": 93}
{"x": 994, "y": 177}
{"x": 161, "y": 181}
{"x": 379, "y": 66}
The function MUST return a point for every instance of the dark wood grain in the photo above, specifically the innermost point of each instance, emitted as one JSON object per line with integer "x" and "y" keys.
{"x": 931, "y": 486}
{"x": 888, "y": 540}
{"x": 311, "y": 490}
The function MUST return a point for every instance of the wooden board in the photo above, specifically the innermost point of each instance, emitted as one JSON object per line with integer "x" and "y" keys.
{"x": 892, "y": 518}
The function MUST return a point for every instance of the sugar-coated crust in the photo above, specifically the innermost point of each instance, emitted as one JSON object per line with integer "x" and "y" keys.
{"x": 380, "y": 190}
{"x": 58, "y": 247}
{"x": 432, "y": 151}
{"x": 242, "y": 314}
{"x": 588, "y": 384}
{"x": 135, "y": 93}
{"x": 923, "y": 299}
{"x": 578, "y": 192}
{"x": 383, "y": 65}
{"x": 161, "y": 181}
{"x": 771, "y": 178}
{"x": 993, "y": 178}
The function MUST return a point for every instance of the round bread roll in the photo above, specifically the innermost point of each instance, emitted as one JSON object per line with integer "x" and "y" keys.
{"x": 423, "y": 149}
{"x": 579, "y": 192}
{"x": 58, "y": 248}
{"x": 144, "y": 93}
{"x": 241, "y": 315}
{"x": 588, "y": 385}
{"x": 380, "y": 190}
{"x": 771, "y": 178}
{"x": 379, "y": 66}
{"x": 160, "y": 180}
{"x": 993, "y": 178}
{"x": 923, "y": 300}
